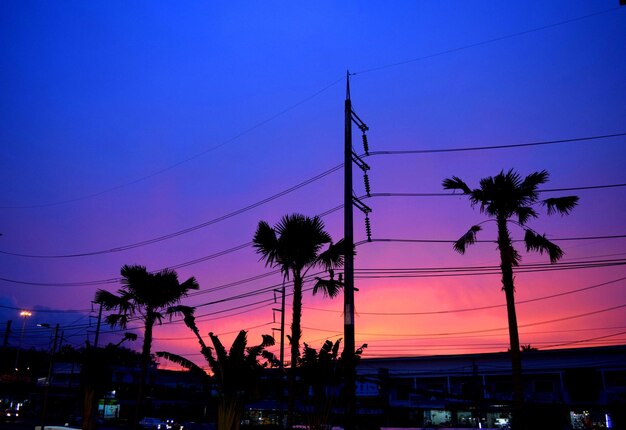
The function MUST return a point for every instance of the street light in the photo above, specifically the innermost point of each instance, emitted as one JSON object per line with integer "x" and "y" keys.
{"x": 25, "y": 315}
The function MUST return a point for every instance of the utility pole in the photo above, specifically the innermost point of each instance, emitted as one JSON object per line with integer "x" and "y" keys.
{"x": 350, "y": 200}
{"x": 282, "y": 350}
{"x": 95, "y": 341}
{"x": 348, "y": 286}
{"x": 7, "y": 333}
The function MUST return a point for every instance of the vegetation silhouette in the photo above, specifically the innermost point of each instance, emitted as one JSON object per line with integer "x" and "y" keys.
{"x": 149, "y": 297}
{"x": 236, "y": 373}
{"x": 503, "y": 197}
{"x": 96, "y": 375}
{"x": 321, "y": 373}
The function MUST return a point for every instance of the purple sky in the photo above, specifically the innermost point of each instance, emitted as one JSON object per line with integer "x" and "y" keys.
{"x": 123, "y": 122}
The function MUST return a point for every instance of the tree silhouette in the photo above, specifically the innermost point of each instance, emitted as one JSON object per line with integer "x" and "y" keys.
{"x": 235, "y": 372}
{"x": 322, "y": 375}
{"x": 295, "y": 246}
{"x": 502, "y": 198}
{"x": 96, "y": 375}
{"x": 149, "y": 297}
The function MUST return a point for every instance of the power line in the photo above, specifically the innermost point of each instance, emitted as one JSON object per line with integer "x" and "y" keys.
{"x": 418, "y": 335}
{"x": 52, "y": 311}
{"x": 527, "y": 333}
{"x": 188, "y": 159}
{"x": 188, "y": 229}
{"x": 584, "y": 340}
{"x": 245, "y": 245}
{"x": 313, "y": 179}
{"x": 591, "y": 187}
{"x": 483, "y": 42}
{"x": 315, "y": 94}
{"x": 479, "y": 308}
{"x": 219, "y": 334}
{"x": 485, "y": 148}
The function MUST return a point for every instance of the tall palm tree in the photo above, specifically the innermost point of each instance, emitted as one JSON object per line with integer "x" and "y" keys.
{"x": 295, "y": 246}
{"x": 236, "y": 371}
{"x": 149, "y": 297}
{"x": 502, "y": 198}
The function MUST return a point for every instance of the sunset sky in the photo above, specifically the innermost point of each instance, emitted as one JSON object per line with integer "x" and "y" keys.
{"x": 176, "y": 123}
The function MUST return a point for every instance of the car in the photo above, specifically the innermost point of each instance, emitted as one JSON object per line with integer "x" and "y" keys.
{"x": 11, "y": 414}
{"x": 153, "y": 424}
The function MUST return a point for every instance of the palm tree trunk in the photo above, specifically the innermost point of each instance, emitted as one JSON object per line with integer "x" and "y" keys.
{"x": 296, "y": 332}
{"x": 145, "y": 362}
{"x": 507, "y": 260}
{"x": 229, "y": 413}
{"x": 89, "y": 408}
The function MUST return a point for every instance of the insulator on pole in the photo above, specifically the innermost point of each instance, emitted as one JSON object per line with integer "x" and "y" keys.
{"x": 368, "y": 228}
{"x": 366, "y": 146}
{"x": 368, "y": 190}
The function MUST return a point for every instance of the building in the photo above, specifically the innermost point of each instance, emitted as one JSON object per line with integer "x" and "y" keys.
{"x": 575, "y": 387}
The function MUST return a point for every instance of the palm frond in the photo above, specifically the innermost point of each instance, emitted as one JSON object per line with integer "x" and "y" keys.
{"x": 183, "y": 310}
{"x": 455, "y": 183}
{"x": 360, "y": 350}
{"x": 524, "y": 213}
{"x": 335, "y": 350}
{"x": 115, "y": 320}
{"x": 181, "y": 361}
{"x": 220, "y": 351}
{"x": 190, "y": 284}
{"x": 333, "y": 257}
{"x": 539, "y": 243}
{"x": 252, "y": 354}
{"x": 561, "y": 205}
{"x": 271, "y": 358}
{"x": 131, "y": 337}
{"x": 268, "y": 340}
{"x": 265, "y": 242}
{"x": 238, "y": 347}
{"x": 134, "y": 277}
{"x": 531, "y": 181}
{"x": 309, "y": 356}
{"x": 329, "y": 287}
{"x": 467, "y": 239}
{"x": 107, "y": 299}
{"x": 326, "y": 348}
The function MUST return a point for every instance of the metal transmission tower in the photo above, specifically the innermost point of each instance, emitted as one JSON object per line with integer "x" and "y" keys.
{"x": 350, "y": 200}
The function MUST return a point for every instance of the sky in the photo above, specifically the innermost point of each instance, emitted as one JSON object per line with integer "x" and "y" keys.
{"x": 187, "y": 122}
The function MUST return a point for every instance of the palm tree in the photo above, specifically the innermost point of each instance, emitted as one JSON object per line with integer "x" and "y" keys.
{"x": 295, "y": 246}
{"x": 149, "y": 297}
{"x": 502, "y": 198}
{"x": 236, "y": 372}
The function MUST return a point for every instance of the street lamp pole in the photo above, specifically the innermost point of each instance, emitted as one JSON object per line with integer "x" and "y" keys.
{"x": 24, "y": 315}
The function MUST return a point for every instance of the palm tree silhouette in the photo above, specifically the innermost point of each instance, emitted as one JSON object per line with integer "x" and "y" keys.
{"x": 149, "y": 297}
{"x": 502, "y": 198}
{"x": 322, "y": 375}
{"x": 295, "y": 246}
{"x": 236, "y": 372}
